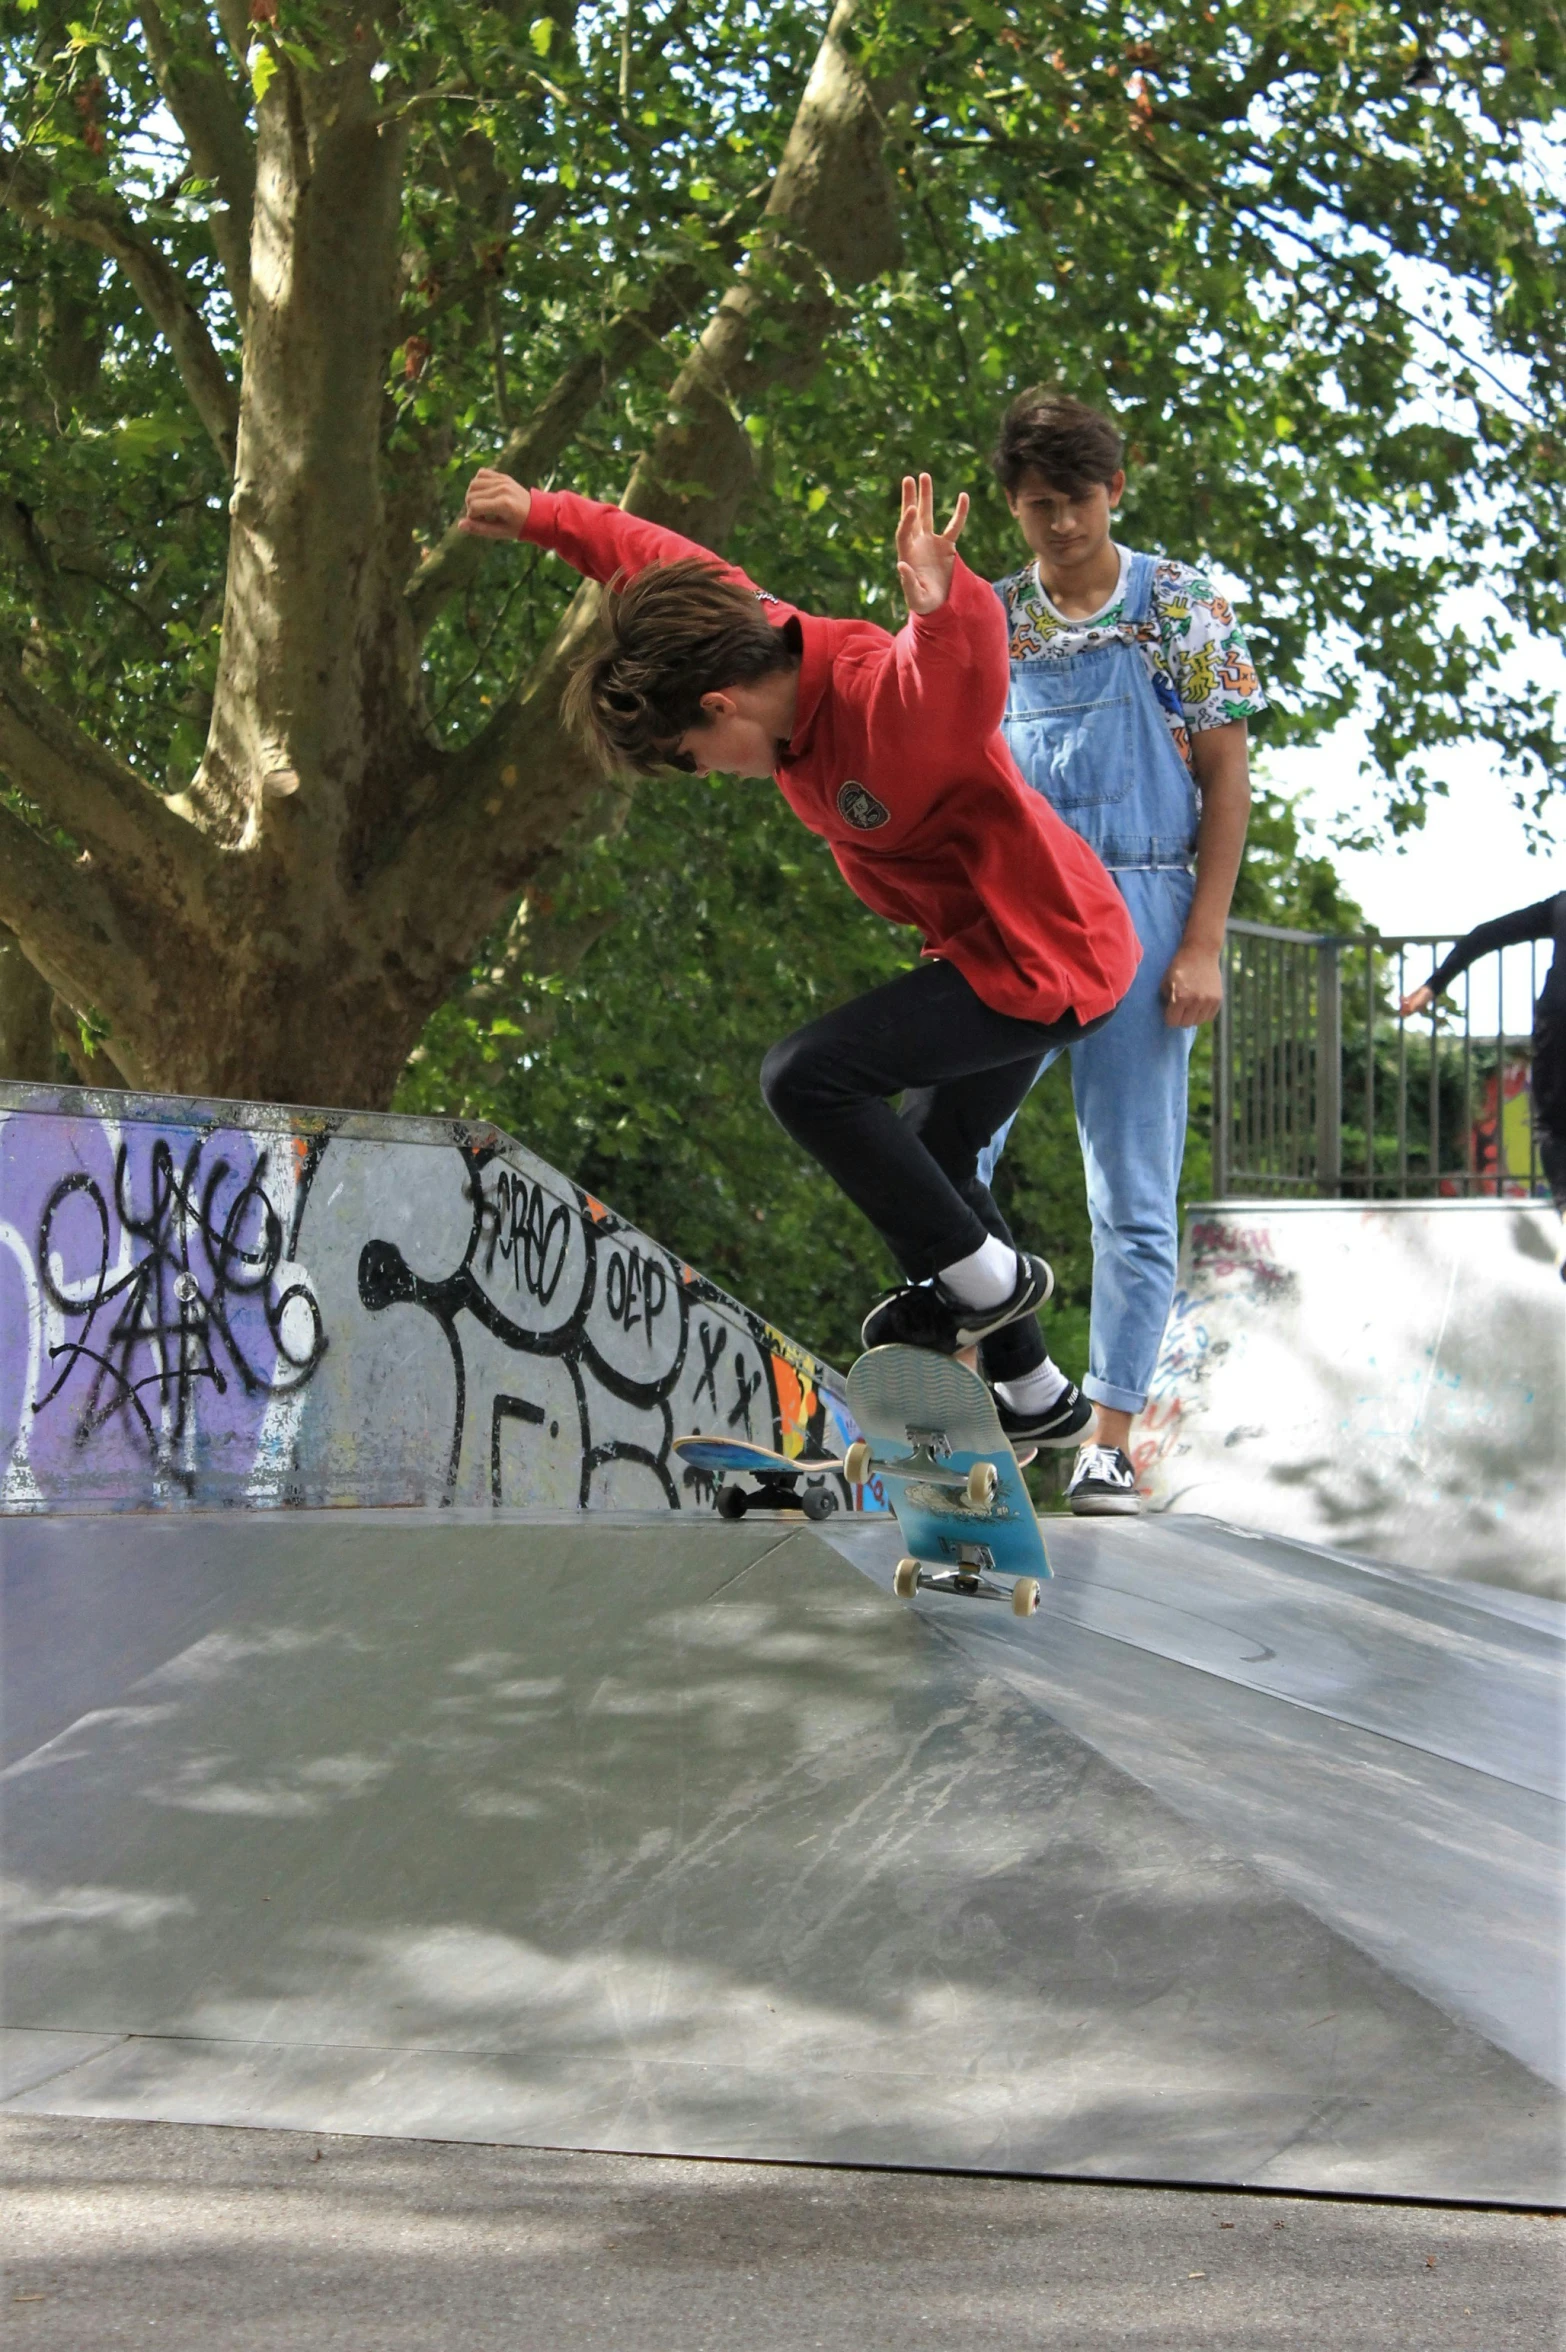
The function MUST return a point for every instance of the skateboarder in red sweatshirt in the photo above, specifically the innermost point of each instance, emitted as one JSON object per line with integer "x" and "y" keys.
{"x": 889, "y": 748}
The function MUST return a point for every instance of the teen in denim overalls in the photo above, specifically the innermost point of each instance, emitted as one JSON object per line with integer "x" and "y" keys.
{"x": 1095, "y": 730}
{"x": 1088, "y": 732}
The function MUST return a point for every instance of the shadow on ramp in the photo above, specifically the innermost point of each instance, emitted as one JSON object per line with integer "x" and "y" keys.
{"x": 678, "y": 1838}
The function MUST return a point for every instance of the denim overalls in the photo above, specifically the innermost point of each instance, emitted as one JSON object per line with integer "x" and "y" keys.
{"x": 1088, "y": 732}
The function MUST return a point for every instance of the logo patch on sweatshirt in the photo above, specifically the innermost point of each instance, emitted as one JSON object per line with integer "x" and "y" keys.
{"x": 860, "y": 808}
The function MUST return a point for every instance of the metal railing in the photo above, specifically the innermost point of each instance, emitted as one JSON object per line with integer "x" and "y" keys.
{"x": 1322, "y": 1090}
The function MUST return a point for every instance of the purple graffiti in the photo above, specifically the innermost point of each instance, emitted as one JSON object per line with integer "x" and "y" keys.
{"x": 163, "y": 1318}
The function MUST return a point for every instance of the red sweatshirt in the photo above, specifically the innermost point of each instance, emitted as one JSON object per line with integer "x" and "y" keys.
{"x": 897, "y": 761}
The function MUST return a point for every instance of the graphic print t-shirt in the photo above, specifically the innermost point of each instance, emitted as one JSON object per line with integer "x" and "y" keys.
{"x": 1196, "y": 656}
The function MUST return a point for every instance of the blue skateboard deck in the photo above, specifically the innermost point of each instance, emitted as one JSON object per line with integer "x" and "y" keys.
{"x": 778, "y": 1476}
{"x": 737, "y": 1453}
{"x": 932, "y": 1438}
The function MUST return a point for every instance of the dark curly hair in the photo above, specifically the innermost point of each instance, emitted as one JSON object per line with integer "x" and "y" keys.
{"x": 675, "y": 632}
{"x": 1069, "y": 444}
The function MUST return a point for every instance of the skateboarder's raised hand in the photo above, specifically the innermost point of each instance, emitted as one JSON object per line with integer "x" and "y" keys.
{"x": 925, "y": 556}
{"x": 495, "y": 507}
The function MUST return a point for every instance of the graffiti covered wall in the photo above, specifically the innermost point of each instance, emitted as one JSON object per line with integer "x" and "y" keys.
{"x": 1388, "y": 1380}
{"x": 211, "y": 1303}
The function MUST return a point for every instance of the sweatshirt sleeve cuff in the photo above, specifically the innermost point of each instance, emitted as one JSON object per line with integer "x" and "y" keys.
{"x": 967, "y": 597}
{"x": 543, "y": 519}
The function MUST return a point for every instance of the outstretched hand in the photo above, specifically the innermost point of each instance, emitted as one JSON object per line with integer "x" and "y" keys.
{"x": 926, "y": 556}
{"x": 1415, "y": 1002}
{"x": 495, "y": 507}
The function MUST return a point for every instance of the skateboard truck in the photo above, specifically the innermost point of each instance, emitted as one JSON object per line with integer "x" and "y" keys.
{"x": 778, "y": 1478}
{"x": 970, "y": 1577}
{"x": 775, "y": 1491}
{"x": 931, "y": 1447}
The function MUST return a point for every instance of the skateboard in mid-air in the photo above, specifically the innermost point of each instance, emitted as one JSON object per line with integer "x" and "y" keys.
{"x": 778, "y": 1476}
{"x": 932, "y": 1438}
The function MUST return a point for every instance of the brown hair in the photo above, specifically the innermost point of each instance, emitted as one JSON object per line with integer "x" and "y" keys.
{"x": 1071, "y": 445}
{"x": 675, "y": 632}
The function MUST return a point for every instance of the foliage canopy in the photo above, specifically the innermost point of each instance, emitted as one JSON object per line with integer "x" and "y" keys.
{"x": 281, "y": 755}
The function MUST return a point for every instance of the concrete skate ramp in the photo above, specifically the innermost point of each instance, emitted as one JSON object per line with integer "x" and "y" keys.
{"x": 1386, "y": 1377}
{"x": 1228, "y": 1867}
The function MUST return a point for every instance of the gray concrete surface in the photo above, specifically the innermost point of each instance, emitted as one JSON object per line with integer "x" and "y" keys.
{"x": 681, "y": 1838}
{"x": 1389, "y": 1747}
{"x": 240, "y": 2241}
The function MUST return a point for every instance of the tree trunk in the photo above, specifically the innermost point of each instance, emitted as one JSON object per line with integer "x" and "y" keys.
{"x": 286, "y": 928}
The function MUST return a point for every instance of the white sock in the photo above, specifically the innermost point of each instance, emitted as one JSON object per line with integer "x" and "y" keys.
{"x": 1036, "y": 1391}
{"x": 985, "y": 1278}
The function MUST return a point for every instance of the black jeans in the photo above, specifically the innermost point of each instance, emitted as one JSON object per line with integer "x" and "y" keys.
{"x": 961, "y": 1070}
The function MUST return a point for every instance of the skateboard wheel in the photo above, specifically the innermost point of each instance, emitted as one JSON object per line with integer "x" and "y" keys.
{"x": 905, "y": 1579}
{"x": 856, "y": 1463}
{"x": 980, "y": 1489}
{"x": 818, "y": 1502}
{"x": 732, "y": 1502}
{"x": 1024, "y": 1596}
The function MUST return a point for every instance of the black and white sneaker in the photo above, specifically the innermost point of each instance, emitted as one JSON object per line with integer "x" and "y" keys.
{"x": 1103, "y": 1484}
{"x": 924, "y": 1314}
{"x": 1059, "y": 1424}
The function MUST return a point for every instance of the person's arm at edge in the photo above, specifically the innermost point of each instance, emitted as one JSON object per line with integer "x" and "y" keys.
{"x": 966, "y": 634}
{"x": 598, "y": 540}
{"x": 1192, "y": 987}
{"x": 955, "y": 630}
{"x": 1513, "y": 930}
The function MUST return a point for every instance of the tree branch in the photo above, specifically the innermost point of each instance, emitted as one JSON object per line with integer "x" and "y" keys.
{"x": 93, "y": 1065}
{"x": 30, "y": 553}
{"x": 537, "y": 443}
{"x": 58, "y": 908}
{"x": 234, "y": 18}
{"x": 26, "y": 1042}
{"x": 1229, "y": 102}
{"x": 510, "y": 800}
{"x": 102, "y": 220}
{"x": 830, "y": 218}
{"x": 96, "y": 798}
{"x": 202, "y": 100}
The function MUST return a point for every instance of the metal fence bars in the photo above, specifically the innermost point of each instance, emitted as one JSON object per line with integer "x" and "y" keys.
{"x": 1322, "y": 1090}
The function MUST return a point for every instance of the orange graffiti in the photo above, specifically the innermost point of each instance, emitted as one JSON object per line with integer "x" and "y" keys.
{"x": 796, "y": 1405}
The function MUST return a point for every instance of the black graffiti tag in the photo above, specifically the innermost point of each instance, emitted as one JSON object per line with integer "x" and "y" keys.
{"x": 712, "y": 1347}
{"x": 746, "y": 1386}
{"x": 148, "y": 1339}
{"x": 626, "y": 1287}
{"x": 533, "y": 1235}
{"x": 635, "y": 1290}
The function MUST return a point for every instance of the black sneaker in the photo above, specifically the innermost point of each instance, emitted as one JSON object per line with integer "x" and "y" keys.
{"x": 1103, "y": 1484}
{"x": 916, "y": 1314}
{"x": 1059, "y": 1424}
{"x": 924, "y": 1314}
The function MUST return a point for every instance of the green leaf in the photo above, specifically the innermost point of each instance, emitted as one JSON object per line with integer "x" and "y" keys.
{"x": 541, "y": 32}
{"x": 262, "y": 65}
{"x": 142, "y": 436}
